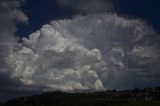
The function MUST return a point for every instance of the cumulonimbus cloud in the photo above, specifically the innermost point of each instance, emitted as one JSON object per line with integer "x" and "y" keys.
{"x": 51, "y": 60}
{"x": 94, "y": 52}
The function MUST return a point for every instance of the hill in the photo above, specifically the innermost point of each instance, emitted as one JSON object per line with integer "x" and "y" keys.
{"x": 136, "y": 97}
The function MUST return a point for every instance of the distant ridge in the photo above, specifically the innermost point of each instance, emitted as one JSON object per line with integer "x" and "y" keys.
{"x": 136, "y": 97}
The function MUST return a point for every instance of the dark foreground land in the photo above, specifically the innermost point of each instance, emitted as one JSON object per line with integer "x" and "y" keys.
{"x": 136, "y": 97}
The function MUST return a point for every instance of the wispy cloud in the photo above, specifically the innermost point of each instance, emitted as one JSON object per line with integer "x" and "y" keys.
{"x": 88, "y": 6}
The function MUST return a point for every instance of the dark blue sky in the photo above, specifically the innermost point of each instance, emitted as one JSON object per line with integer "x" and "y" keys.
{"x": 148, "y": 10}
{"x": 42, "y": 11}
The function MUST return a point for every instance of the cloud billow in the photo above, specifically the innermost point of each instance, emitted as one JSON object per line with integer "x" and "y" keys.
{"x": 94, "y": 52}
{"x": 128, "y": 47}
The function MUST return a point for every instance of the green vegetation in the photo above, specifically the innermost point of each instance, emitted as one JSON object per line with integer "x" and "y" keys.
{"x": 136, "y": 97}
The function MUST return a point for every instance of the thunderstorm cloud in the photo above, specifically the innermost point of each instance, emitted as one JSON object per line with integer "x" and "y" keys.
{"x": 92, "y": 52}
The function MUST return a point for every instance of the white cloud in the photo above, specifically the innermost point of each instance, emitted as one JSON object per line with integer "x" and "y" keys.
{"x": 50, "y": 60}
{"x": 92, "y": 52}
{"x": 119, "y": 41}
{"x": 96, "y": 52}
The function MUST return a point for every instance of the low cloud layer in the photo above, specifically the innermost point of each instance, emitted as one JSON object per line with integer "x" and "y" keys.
{"x": 92, "y": 52}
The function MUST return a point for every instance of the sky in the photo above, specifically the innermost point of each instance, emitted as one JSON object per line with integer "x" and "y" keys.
{"x": 45, "y": 10}
{"x": 78, "y": 45}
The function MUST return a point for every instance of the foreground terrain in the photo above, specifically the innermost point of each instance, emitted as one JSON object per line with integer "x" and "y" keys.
{"x": 136, "y": 97}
